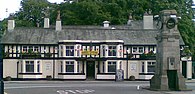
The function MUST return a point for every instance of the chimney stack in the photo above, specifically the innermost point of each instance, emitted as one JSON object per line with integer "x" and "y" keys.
{"x": 46, "y": 19}
{"x": 11, "y": 23}
{"x": 148, "y": 21}
{"x": 46, "y": 22}
{"x": 58, "y": 23}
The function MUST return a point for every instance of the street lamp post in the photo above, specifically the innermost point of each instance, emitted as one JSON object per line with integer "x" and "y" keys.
{"x": 1, "y": 71}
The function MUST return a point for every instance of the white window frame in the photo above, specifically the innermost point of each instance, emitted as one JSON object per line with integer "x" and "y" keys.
{"x": 69, "y": 63}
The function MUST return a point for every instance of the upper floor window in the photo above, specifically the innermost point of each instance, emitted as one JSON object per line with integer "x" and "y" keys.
{"x": 36, "y": 48}
{"x": 78, "y": 50}
{"x": 111, "y": 50}
{"x": 61, "y": 51}
{"x": 134, "y": 49}
{"x": 120, "y": 50}
{"x": 30, "y": 48}
{"x": 141, "y": 49}
{"x": 137, "y": 49}
{"x": 24, "y": 49}
{"x": 103, "y": 51}
{"x": 69, "y": 50}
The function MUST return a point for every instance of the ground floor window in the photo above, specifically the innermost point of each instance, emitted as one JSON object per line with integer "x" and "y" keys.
{"x": 111, "y": 67}
{"x": 70, "y": 66}
{"x": 151, "y": 67}
{"x": 30, "y": 66}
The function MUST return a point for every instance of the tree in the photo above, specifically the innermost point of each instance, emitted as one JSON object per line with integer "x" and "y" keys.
{"x": 32, "y": 12}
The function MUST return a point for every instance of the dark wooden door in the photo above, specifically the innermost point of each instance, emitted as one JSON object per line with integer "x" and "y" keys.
{"x": 90, "y": 69}
{"x": 172, "y": 79}
{"x": 184, "y": 68}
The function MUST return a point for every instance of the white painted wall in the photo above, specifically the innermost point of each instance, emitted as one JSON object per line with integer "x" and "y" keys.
{"x": 10, "y": 68}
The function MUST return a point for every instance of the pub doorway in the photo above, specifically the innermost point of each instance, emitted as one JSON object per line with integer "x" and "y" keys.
{"x": 90, "y": 70}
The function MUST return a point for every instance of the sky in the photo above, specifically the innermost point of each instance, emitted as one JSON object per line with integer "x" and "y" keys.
{"x": 13, "y": 5}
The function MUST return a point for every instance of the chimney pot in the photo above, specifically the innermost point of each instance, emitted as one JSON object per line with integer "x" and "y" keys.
{"x": 106, "y": 24}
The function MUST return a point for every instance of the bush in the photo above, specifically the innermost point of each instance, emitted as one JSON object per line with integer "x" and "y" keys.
{"x": 8, "y": 78}
{"x": 132, "y": 78}
{"x": 48, "y": 77}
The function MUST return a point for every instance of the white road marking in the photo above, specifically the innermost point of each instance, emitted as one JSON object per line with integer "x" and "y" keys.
{"x": 62, "y": 92}
{"x": 85, "y": 91}
{"x": 71, "y": 91}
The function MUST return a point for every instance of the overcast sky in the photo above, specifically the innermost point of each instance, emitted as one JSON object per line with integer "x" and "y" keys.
{"x": 13, "y": 6}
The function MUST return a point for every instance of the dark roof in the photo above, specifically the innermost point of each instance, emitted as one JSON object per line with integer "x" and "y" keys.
{"x": 50, "y": 36}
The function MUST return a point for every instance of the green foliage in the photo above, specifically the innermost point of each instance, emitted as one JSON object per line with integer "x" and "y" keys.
{"x": 32, "y": 12}
{"x": 148, "y": 55}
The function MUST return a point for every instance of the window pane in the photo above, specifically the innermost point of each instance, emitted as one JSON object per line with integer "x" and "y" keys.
{"x": 151, "y": 68}
{"x": 36, "y": 49}
{"x": 111, "y": 50}
{"x": 134, "y": 49}
{"x": 103, "y": 50}
{"x": 141, "y": 50}
{"x": 61, "y": 67}
{"x": 78, "y": 66}
{"x": 25, "y": 48}
{"x": 38, "y": 66}
{"x": 69, "y": 50}
{"x": 29, "y": 66}
{"x": 70, "y": 67}
{"x": 112, "y": 67}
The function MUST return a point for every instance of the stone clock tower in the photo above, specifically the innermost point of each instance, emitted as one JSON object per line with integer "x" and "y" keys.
{"x": 167, "y": 74}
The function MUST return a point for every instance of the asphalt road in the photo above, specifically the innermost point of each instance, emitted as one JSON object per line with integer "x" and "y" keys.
{"x": 84, "y": 87}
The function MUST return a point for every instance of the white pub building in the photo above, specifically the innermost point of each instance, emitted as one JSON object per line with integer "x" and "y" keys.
{"x": 83, "y": 52}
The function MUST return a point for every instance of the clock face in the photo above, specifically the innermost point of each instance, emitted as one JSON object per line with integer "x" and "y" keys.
{"x": 170, "y": 23}
{"x": 159, "y": 24}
